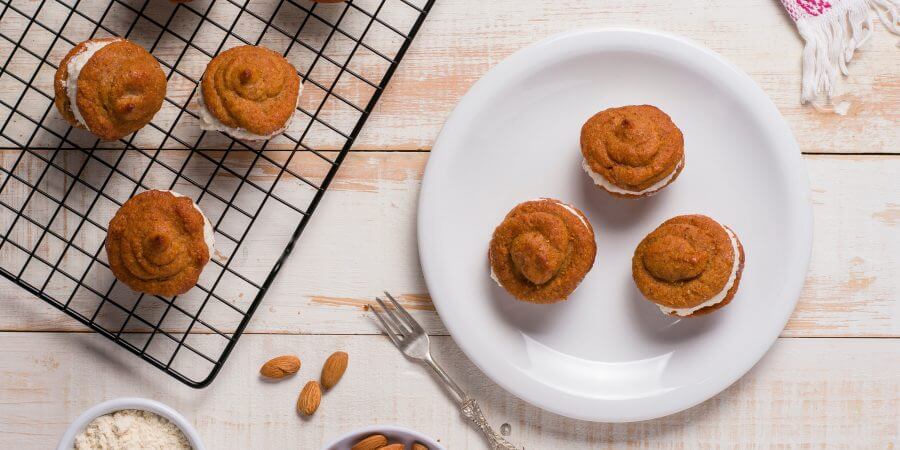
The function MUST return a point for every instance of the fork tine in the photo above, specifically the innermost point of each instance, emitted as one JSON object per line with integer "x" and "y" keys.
{"x": 387, "y": 329}
{"x": 410, "y": 321}
{"x": 392, "y": 318}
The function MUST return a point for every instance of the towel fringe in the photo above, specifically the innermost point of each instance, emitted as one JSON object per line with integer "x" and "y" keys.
{"x": 833, "y": 37}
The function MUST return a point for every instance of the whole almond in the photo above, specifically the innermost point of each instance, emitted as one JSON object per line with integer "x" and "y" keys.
{"x": 309, "y": 399}
{"x": 334, "y": 369}
{"x": 372, "y": 442}
{"x": 418, "y": 446}
{"x": 280, "y": 367}
{"x": 393, "y": 447}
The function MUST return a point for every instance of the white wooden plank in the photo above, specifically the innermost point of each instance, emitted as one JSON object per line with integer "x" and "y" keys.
{"x": 362, "y": 241}
{"x": 461, "y": 40}
{"x": 812, "y": 393}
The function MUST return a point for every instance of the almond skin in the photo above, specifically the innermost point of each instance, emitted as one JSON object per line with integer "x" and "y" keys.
{"x": 334, "y": 369}
{"x": 280, "y": 367}
{"x": 309, "y": 399}
{"x": 393, "y": 447}
{"x": 418, "y": 446}
{"x": 373, "y": 442}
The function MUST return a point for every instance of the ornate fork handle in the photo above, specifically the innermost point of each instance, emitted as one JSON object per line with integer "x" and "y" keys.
{"x": 413, "y": 341}
{"x": 469, "y": 408}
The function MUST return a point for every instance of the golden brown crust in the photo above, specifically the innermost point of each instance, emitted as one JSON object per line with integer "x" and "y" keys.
{"x": 678, "y": 169}
{"x": 686, "y": 261}
{"x": 541, "y": 251}
{"x": 731, "y": 292}
{"x": 61, "y": 98}
{"x": 120, "y": 89}
{"x": 156, "y": 244}
{"x": 632, "y": 147}
{"x": 252, "y": 88}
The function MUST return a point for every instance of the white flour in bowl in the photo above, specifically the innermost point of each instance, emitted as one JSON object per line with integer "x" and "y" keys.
{"x": 131, "y": 429}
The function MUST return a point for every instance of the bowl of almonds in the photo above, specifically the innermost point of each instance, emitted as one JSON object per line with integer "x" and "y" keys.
{"x": 384, "y": 437}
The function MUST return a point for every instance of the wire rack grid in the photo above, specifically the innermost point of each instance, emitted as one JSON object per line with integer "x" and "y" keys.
{"x": 59, "y": 186}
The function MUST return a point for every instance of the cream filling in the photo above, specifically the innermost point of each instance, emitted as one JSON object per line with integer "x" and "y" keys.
{"x": 494, "y": 277}
{"x": 722, "y": 294}
{"x": 209, "y": 236}
{"x": 210, "y": 122}
{"x": 73, "y": 69}
{"x": 599, "y": 180}
{"x": 569, "y": 208}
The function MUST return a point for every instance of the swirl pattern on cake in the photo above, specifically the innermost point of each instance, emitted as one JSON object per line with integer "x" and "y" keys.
{"x": 158, "y": 243}
{"x": 542, "y": 250}
{"x": 689, "y": 265}
{"x": 110, "y": 86}
{"x": 249, "y": 92}
{"x": 632, "y": 151}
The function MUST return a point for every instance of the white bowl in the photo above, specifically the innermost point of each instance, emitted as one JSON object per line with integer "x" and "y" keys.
{"x": 68, "y": 440}
{"x": 394, "y": 434}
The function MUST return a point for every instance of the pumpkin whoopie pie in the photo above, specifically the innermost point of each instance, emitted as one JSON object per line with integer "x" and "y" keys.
{"x": 249, "y": 93}
{"x": 542, "y": 250}
{"x": 689, "y": 266}
{"x": 632, "y": 151}
{"x": 158, "y": 243}
{"x": 110, "y": 86}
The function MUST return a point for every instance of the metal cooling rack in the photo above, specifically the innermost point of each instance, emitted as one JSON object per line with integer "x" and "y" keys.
{"x": 55, "y": 203}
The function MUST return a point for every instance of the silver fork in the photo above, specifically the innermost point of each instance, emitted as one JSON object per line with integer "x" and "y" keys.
{"x": 413, "y": 341}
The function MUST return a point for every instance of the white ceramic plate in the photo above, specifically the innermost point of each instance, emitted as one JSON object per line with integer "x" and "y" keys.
{"x": 606, "y": 354}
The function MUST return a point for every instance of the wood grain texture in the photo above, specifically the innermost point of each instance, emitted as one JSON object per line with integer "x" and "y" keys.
{"x": 806, "y": 393}
{"x": 851, "y": 288}
{"x": 834, "y": 388}
{"x": 461, "y": 40}
{"x": 756, "y": 36}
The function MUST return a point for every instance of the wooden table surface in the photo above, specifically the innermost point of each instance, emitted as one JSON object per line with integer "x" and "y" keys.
{"x": 831, "y": 379}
